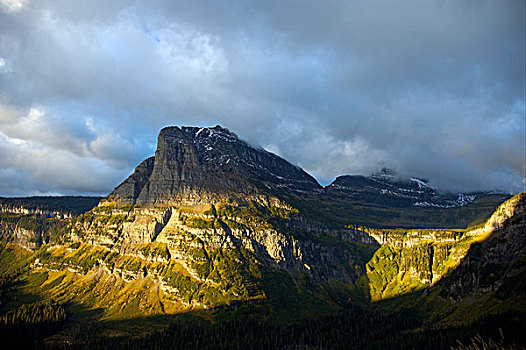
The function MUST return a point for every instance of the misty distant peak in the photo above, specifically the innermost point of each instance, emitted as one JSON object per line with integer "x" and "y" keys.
{"x": 385, "y": 174}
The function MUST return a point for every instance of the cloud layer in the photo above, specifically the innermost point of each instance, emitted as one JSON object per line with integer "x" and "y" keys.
{"x": 433, "y": 89}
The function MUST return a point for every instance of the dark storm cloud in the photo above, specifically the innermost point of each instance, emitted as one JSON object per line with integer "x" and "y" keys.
{"x": 431, "y": 88}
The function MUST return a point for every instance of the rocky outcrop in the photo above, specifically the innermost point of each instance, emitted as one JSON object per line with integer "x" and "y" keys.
{"x": 192, "y": 238}
{"x": 207, "y": 165}
{"x": 63, "y": 207}
{"x": 28, "y": 239}
{"x": 511, "y": 209}
{"x": 411, "y": 238}
{"x": 477, "y": 261}
{"x": 129, "y": 191}
{"x": 42, "y": 213}
{"x": 495, "y": 263}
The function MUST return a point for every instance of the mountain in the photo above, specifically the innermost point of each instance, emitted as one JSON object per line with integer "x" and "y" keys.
{"x": 386, "y": 200}
{"x": 211, "y": 228}
{"x": 206, "y": 164}
{"x": 460, "y": 264}
{"x": 387, "y": 188}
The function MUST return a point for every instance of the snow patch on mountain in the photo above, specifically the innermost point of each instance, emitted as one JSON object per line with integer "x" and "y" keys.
{"x": 462, "y": 200}
{"x": 421, "y": 183}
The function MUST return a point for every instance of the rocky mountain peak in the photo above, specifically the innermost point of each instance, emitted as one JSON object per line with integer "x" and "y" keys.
{"x": 207, "y": 163}
{"x": 187, "y": 134}
{"x": 388, "y": 186}
{"x": 385, "y": 174}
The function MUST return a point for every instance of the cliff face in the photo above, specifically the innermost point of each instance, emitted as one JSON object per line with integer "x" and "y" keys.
{"x": 207, "y": 165}
{"x": 42, "y": 213}
{"x": 199, "y": 237}
{"x": 495, "y": 262}
{"x": 27, "y": 239}
{"x": 475, "y": 261}
{"x": 33, "y": 222}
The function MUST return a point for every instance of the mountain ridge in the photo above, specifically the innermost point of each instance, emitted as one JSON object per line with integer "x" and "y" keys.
{"x": 210, "y": 164}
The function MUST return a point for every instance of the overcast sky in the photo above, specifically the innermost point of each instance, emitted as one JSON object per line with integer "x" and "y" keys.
{"x": 433, "y": 89}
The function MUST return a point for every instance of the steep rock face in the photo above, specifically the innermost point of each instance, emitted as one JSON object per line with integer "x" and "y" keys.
{"x": 131, "y": 188}
{"x": 31, "y": 225}
{"x": 394, "y": 271}
{"x": 476, "y": 261}
{"x": 43, "y": 213}
{"x": 410, "y": 238}
{"x": 207, "y": 164}
{"x": 350, "y": 234}
{"x": 514, "y": 209}
{"x": 195, "y": 173}
{"x": 48, "y": 207}
{"x": 26, "y": 238}
{"x": 496, "y": 262}
{"x": 192, "y": 237}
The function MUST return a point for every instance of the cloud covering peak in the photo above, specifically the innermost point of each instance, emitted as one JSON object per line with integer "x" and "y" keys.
{"x": 433, "y": 89}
